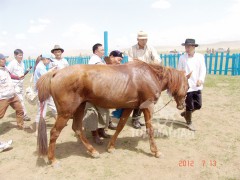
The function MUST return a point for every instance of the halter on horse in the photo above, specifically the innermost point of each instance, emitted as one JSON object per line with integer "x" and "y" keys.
{"x": 128, "y": 86}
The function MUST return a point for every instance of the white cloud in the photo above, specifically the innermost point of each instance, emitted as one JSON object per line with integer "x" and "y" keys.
{"x": 161, "y": 4}
{"x": 2, "y": 44}
{"x": 44, "y": 21}
{"x": 4, "y": 33}
{"x": 79, "y": 30}
{"x": 37, "y": 28}
{"x": 32, "y": 21}
{"x": 20, "y": 36}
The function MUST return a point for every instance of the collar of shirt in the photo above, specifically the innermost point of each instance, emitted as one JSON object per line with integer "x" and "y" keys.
{"x": 138, "y": 48}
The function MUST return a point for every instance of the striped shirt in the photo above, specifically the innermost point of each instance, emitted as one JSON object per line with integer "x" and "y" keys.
{"x": 6, "y": 86}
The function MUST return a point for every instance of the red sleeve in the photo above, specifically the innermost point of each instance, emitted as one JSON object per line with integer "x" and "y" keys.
{"x": 14, "y": 76}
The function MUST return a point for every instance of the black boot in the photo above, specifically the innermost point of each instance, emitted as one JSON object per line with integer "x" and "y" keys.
{"x": 188, "y": 118}
{"x": 102, "y": 133}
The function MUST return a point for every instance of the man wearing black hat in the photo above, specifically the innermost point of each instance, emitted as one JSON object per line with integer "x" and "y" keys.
{"x": 195, "y": 63}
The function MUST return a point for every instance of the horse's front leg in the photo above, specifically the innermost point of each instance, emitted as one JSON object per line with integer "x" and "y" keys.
{"x": 148, "y": 112}
{"x": 126, "y": 113}
{"x": 77, "y": 128}
{"x": 54, "y": 134}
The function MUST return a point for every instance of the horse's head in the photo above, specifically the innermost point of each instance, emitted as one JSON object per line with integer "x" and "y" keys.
{"x": 180, "y": 89}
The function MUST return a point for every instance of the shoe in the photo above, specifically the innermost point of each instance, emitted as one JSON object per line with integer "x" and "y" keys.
{"x": 96, "y": 138}
{"x": 191, "y": 126}
{"x": 136, "y": 124}
{"x": 26, "y": 118}
{"x": 112, "y": 126}
{"x": 183, "y": 113}
{"x": 141, "y": 124}
{"x": 5, "y": 145}
{"x": 102, "y": 133}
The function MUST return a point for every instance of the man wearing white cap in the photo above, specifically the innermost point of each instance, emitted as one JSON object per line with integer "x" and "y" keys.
{"x": 142, "y": 51}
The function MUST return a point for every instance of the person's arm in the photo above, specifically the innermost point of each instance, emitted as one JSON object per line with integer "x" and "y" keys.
{"x": 10, "y": 67}
{"x": 66, "y": 64}
{"x": 130, "y": 54}
{"x": 14, "y": 76}
{"x": 155, "y": 56}
{"x": 180, "y": 64}
{"x": 202, "y": 71}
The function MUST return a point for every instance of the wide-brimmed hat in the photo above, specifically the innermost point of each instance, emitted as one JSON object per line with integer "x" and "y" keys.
{"x": 116, "y": 53}
{"x": 190, "y": 42}
{"x": 3, "y": 56}
{"x": 142, "y": 35}
{"x": 57, "y": 47}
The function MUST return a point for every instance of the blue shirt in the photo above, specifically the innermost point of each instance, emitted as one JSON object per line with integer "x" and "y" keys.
{"x": 39, "y": 71}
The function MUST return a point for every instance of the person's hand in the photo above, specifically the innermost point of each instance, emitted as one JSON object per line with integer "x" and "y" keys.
{"x": 53, "y": 68}
{"x": 199, "y": 83}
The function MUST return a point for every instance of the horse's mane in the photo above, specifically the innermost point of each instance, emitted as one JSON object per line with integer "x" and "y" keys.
{"x": 172, "y": 75}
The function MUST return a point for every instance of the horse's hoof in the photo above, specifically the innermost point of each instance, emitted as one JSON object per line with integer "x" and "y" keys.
{"x": 158, "y": 155}
{"x": 111, "y": 150}
{"x": 94, "y": 154}
{"x": 56, "y": 165}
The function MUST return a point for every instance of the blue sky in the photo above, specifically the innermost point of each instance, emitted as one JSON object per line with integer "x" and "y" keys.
{"x": 37, "y": 25}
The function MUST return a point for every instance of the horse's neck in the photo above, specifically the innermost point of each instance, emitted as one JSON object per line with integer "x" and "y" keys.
{"x": 172, "y": 80}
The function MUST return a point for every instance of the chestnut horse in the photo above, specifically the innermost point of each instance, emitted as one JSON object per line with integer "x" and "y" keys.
{"x": 128, "y": 86}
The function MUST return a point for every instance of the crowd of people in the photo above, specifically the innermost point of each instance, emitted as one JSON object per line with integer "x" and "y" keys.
{"x": 96, "y": 119}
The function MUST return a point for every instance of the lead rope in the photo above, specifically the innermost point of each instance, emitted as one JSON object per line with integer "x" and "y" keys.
{"x": 154, "y": 111}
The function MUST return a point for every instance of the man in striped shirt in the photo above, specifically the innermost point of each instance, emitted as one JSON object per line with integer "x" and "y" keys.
{"x": 8, "y": 95}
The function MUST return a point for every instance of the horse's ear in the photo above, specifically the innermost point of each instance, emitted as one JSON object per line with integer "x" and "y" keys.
{"x": 189, "y": 75}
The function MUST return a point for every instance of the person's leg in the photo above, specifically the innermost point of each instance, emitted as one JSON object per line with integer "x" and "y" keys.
{"x": 52, "y": 106}
{"x": 90, "y": 122}
{"x": 20, "y": 95}
{"x": 4, "y": 103}
{"x": 197, "y": 98}
{"x": 103, "y": 121}
{"x": 135, "y": 118}
{"x": 17, "y": 106}
{"x": 189, "y": 109}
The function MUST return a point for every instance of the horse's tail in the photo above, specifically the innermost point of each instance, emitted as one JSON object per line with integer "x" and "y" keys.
{"x": 44, "y": 90}
{"x": 42, "y": 145}
{"x": 44, "y": 86}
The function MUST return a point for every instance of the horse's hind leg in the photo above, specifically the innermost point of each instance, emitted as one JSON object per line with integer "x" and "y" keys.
{"x": 54, "y": 134}
{"x": 148, "y": 120}
{"x": 121, "y": 124}
{"x": 77, "y": 128}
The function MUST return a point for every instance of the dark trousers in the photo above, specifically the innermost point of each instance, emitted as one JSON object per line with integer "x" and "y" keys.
{"x": 193, "y": 100}
{"x": 136, "y": 114}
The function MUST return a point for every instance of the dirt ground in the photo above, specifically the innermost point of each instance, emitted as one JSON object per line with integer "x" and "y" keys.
{"x": 212, "y": 152}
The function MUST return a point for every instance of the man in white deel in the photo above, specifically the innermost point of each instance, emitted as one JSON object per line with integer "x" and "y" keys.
{"x": 192, "y": 62}
{"x": 144, "y": 52}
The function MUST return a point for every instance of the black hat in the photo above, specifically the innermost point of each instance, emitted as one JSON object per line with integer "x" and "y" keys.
{"x": 116, "y": 53}
{"x": 190, "y": 42}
